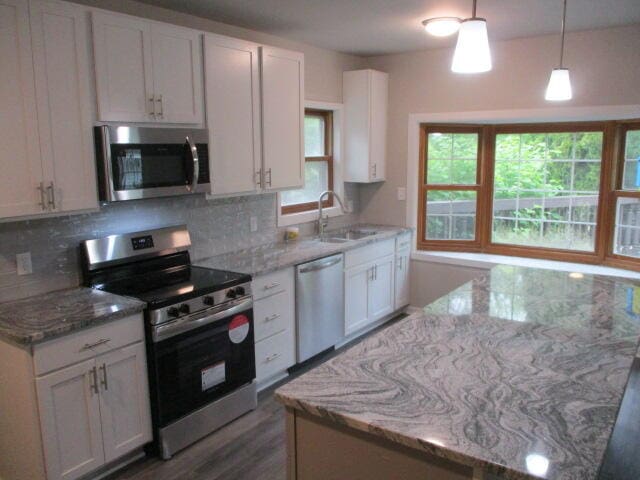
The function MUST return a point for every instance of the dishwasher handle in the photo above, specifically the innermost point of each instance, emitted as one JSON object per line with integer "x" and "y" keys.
{"x": 320, "y": 265}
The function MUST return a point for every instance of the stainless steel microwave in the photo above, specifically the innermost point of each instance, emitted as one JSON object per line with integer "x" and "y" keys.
{"x": 142, "y": 162}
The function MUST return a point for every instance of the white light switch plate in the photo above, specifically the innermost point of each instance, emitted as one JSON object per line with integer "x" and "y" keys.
{"x": 402, "y": 193}
{"x": 253, "y": 221}
{"x": 23, "y": 263}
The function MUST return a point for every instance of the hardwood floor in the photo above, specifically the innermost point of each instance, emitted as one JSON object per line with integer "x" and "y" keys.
{"x": 249, "y": 448}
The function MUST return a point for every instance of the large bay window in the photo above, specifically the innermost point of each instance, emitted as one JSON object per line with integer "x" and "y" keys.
{"x": 566, "y": 191}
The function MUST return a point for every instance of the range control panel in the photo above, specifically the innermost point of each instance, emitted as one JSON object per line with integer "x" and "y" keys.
{"x": 140, "y": 243}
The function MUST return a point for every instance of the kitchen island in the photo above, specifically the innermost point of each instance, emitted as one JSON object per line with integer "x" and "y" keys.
{"x": 518, "y": 374}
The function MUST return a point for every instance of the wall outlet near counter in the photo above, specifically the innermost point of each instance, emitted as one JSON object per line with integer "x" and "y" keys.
{"x": 23, "y": 263}
{"x": 402, "y": 193}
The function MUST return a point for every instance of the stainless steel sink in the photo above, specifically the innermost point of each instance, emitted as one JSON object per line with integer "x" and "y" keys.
{"x": 347, "y": 236}
{"x": 333, "y": 240}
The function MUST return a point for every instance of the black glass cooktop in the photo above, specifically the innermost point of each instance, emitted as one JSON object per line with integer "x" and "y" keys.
{"x": 166, "y": 287}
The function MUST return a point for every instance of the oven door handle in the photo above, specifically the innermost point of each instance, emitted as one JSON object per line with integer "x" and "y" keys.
{"x": 184, "y": 324}
{"x": 195, "y": 164}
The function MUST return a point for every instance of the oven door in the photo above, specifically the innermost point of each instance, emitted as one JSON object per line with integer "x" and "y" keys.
{"x": 136, "y": 162}
{"x": 199, "y": 365}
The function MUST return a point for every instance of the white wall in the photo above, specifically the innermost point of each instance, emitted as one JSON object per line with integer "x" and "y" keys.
{"x": 605, "y": 70}
{"x": 323, "y": 68}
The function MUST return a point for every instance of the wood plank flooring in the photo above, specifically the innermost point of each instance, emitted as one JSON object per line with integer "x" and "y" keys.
{"x": 249, "y": 448}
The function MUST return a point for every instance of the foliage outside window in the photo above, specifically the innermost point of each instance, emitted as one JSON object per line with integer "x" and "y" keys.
{"x": 558, "y": 191}
{"x": 318, "y": 167}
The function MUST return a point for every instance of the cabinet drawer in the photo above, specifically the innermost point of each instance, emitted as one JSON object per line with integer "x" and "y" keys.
{"x": 76, "y": 347}
{"x": 272, "y": 283}
{"x": 274, "y": 354}
{"x": 369, "y": 253}
{"x": 403, "y": 242}
{"x": 272, "y": 315}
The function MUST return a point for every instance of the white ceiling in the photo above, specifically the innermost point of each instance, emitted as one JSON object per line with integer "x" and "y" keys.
{"x": 371, "y": 27}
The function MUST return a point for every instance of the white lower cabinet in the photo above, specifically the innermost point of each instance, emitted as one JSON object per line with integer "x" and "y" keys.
{"x": 274, "y": 325}
{"x": 96, "y": 410}
{"x": 403, "y": 259}
{"x": 369, "y": 284}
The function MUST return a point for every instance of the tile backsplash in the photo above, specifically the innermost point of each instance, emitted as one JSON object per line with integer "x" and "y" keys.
{"x": 216, "y": 226}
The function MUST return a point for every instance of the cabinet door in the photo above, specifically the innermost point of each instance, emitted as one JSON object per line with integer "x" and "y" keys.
{"x": 20, "y": 159}
{"x": 70, "y": 420}
{"x": 124, "y": 78}
{"x": 402, "y": 279}
{"x": 177, "y": 74}
{"x": 381, "y": 294}
{"x": 282, "y": 118}
{"x": 232, "y": 85}
{"x": 378, "y": 125}
{"x": 61, "y": 62}
{"x": 124, "y": 400}
{"x": 356, "y": 305}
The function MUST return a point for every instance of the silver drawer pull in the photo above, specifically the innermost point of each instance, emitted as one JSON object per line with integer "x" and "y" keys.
{"x": 271, "y": 286}
{"x": 271, "y": 358}
{"x": 89, "y": 346}
{"x": 272, "y": 317}
{"x": 104, "y": 382}
{"x": 93, "y": 381}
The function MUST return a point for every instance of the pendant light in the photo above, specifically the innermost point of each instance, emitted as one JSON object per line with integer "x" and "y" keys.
{"x": 559, "y": 88}
{"x": 472, "y": 54}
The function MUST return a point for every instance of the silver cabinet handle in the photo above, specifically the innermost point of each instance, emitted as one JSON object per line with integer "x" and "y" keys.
{"x": 321, "y": 265}
{"x": 104, "y": 382}
{"x": 399, "y": 263}
{"x": 268, "y": 172}
{"x": 271, "y": 286}
{"x": 152, "y": 101}
{"x": 196, "y": 164}
{"x": 159, "y": 101}
{"x": 272, "y": 357}
{"x": 371, "y": 277}
{"x": 272, "y": 317}
{"x": 43, "y": 202}
{"x": 259, "y": 178}
{"x": 89, "y": 346}
{"x": 375, "y": 272}
{"x": 93, "y": 379}
{"x": 375, "y": 170}
{"x": 51, "y": 193}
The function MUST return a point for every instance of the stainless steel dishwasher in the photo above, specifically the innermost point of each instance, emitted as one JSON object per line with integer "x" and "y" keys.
{"x": 319, "y": 305}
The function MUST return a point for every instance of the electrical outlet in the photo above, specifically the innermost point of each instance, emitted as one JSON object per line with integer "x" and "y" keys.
{"x": 253, "y": 222}
{"x": 23, "y": 263}
{"x": 402, "y": 193}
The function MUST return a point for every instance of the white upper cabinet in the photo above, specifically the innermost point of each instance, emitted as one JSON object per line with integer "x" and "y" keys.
{"x": 232, "y": 85}
{"x": 365, "y": 94}
{"x": 147, "y": 71}
{"x": 45, "y": 97}
{"x": 60, "y": 39}
{"x": 282, "y": 118}
{"x": 19, "y": 144}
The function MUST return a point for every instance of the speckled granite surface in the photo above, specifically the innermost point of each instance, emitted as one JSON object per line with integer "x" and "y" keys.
{"x": 269, "y": 258}
{"x": 519, "y": 372}
{"x": 36, "y": 319}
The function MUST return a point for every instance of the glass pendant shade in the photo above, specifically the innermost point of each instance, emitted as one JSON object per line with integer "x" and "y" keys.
{"x": 559, "y": 87}
{"x": 472, "y": 53}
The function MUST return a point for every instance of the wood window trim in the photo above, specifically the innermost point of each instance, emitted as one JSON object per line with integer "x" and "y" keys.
{"x": 327, "y": 116}
{"x": 613, "y": 152}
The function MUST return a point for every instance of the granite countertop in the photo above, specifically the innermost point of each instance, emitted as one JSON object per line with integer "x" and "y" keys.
{"x": 269, "y": 258}
{"x": 36, "y": 319}
{"x": 520, "y": 372}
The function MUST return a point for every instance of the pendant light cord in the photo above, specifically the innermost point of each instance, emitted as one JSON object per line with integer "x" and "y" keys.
{"x": 473, "y": 12}
{"x": 564, "y": 17}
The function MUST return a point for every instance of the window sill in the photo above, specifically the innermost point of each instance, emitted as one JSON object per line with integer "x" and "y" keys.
{"x": 308, "y": 216}
{"x": 486, "y": 261}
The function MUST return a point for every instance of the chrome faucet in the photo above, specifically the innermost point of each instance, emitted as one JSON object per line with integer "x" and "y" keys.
{"x": 324, "y": 221}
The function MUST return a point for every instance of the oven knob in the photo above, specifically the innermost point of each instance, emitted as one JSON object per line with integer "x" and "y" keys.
{"x": 184, "y": 309}
{"x": 231, "y": 293}
{"x": 173, "y": 312}
{"x": 240, "y": 291}
{"x": 208, "y": 300}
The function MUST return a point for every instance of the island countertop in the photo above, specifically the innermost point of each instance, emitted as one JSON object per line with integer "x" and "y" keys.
{"x": 520, "y": 373}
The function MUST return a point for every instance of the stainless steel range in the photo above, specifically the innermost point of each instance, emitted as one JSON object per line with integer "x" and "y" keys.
{"x": 199, "y": 328}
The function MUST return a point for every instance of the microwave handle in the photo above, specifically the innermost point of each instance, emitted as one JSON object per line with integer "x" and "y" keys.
{"x": 196, "y": 164}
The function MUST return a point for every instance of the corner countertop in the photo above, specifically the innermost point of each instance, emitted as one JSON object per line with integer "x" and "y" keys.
{"x": 36, "y": 319}
{"x": 519, "y": 372}
{"x": 269, "y": 258}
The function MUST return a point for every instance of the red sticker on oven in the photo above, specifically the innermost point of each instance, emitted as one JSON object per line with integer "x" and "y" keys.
{"x": 239, "y": 328}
